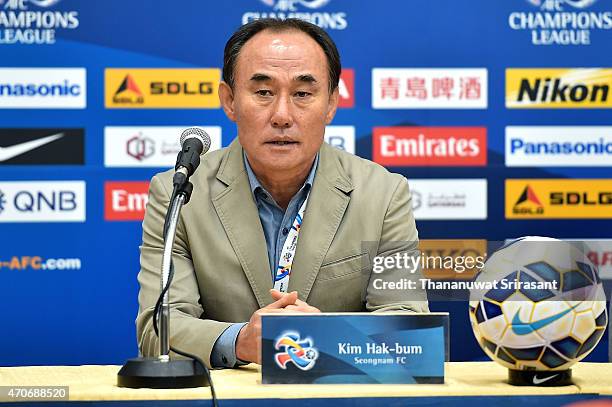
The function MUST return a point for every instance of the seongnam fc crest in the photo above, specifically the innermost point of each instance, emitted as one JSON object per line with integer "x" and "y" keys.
{"x": 293, "y": 349}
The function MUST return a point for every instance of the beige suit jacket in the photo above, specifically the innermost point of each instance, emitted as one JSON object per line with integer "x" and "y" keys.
{"x": 222, "y": 274}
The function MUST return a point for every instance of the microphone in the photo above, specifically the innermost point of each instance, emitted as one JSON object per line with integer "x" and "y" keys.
{"x": 194, "y": 143}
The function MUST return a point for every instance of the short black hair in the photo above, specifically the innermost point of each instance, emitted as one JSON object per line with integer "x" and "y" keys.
{"x": 247, "y": 31}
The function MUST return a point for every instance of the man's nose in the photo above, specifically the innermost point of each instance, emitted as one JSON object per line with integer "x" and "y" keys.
{"x": 281, "y": 117}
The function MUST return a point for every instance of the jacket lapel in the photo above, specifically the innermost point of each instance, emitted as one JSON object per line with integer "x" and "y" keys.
{"x": 238, "y": 213}
{"x": 327, "y": 203}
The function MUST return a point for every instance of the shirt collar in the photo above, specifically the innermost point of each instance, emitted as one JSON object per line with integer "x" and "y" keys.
{"x": 255, "y": 184}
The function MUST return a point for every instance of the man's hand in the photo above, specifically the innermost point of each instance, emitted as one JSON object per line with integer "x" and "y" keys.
{"x": 298, "y": 306}
{"x": 248, "y": 343}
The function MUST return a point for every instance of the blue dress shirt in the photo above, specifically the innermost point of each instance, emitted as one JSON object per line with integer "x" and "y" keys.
{"x": 276, "y": 224}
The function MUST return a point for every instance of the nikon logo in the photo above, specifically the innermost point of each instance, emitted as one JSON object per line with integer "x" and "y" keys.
{"x": 555, "y": 91}
{"x": 558, "y": 88}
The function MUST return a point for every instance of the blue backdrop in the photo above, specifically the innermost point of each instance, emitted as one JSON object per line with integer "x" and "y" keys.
{"x": 86, "y": 316}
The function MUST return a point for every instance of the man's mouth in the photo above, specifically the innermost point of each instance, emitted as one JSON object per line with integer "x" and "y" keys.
{"x": 281, "y": 143}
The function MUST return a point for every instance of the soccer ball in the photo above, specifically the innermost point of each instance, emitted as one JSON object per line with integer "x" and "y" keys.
{"x": 547, "y": 310}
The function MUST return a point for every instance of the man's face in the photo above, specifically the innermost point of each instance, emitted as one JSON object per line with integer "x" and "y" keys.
{"x": 280, "y": 100}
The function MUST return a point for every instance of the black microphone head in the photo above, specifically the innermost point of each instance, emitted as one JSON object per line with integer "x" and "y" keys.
{"x": 199, "y": 134}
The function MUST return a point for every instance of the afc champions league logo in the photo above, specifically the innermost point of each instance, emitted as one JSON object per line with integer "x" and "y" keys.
{"x": 293, "y": 349}
{"x": 289, "y": 5}
{"x": 556, "y": 4}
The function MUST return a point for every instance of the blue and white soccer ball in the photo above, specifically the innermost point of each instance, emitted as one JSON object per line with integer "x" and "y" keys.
{"x": 531, "y": 326}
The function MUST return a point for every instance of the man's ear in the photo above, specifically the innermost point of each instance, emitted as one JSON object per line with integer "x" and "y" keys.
{"x": 332, "y": 106}
{"x": 226, "y": 97}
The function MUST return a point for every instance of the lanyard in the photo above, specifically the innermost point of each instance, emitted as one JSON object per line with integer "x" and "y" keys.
{"x": 285, "y": 262}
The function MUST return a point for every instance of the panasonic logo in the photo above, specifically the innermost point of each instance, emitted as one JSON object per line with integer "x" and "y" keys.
{"x": 43, "y": 88}
{"x": 561, "y": 146}
{"x": 597, "y": 147}
{"x": 30, "y": 89}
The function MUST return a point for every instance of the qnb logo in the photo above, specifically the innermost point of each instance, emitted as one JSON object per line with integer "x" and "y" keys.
{"x": 42, "y": 201}
{"x": 557, "y": 5}
{"x": 140, "y": 147}
{"x": 289, "y": 5}
{"x": 39, "y": 201}
{"x": 293, "y": 349}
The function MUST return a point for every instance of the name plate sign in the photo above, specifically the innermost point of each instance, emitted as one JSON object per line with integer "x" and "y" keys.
{"x": 390, "y": 348}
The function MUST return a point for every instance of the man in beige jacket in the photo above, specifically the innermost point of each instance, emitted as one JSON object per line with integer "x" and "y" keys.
{"x": 280, "y": 86}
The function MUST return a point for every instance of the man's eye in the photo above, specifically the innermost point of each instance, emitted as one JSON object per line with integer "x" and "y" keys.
{"x": 264, "y": 92}
{"x": 302, "y": 94}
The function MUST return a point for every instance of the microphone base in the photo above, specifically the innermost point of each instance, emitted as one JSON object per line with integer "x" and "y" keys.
{"x": 154, "y": 374}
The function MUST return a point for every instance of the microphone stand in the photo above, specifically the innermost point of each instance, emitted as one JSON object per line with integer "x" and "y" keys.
{"x": 163, "y": 372}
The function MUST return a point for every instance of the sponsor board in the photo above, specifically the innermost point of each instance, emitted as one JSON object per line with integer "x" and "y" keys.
{"x": 429, "y": 88}
{"x": 560, "y": 22}
{"x": 449, "y": 199}
{"x": 42, "y": 201}
{"x": 599, "y": 251}
{"x": 549, "y": 146}
{"x": 125, "y": 200}
{"x": 33, "y": 22}
{"x": 342, "y": 137}
{"x": 161, "y": 88}
{"x": 430, "y": 146}
{"x": 313, "y": 11}
{"x": 43, "y": 88}
{"x": 558, "y": 198}
{"x": 346, "y": 88}
{"x": 42, "y": 146}
{"x": 148, "y": 146}
{"x": 548, "y": 88}
{"x": 461, "y": 251}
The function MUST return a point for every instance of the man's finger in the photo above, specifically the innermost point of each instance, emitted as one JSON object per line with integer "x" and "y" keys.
{"x": 302, "y": 303}
{"x": 284, "y": 300}
{"x": 276, "y": 295}
{"x": 305, "y": 304}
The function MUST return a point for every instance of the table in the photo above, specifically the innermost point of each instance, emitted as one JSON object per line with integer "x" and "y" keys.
{"x": 467, "y": 383}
